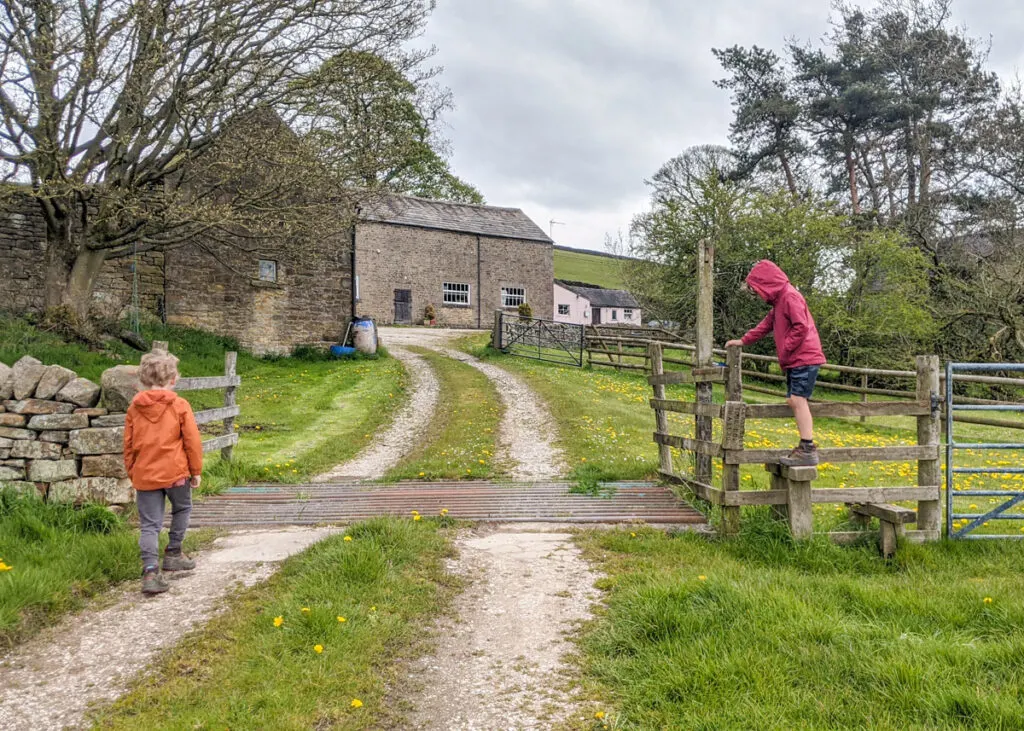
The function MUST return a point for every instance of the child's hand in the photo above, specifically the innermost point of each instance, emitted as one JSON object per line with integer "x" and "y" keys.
{"x": 733, "y": 342}
{"x": 196, "y": 480}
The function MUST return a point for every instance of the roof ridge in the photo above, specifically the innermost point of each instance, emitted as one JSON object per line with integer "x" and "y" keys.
{"x": 450, "y": 203}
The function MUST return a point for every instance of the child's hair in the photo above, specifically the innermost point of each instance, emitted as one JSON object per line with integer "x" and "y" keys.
{"x": 158, "y": 368}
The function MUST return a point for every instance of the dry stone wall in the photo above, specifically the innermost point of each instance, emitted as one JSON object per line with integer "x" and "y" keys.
{"x": 61, "y": 436}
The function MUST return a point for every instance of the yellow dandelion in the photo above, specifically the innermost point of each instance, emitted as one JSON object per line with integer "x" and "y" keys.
{"x": 583, "y": 459}
{"x": 278, "y": 620}
{"x": 305, "y": 610}
{"x": 417, "y": 517}
{"x": 318, "y": 649}
{"x": 341, "y": 619}
{"x": 987, "y": 600}
{"x": 373, "y": 609}
{"x": 599, "y": 715}
{"x": 444, "y": 511}
{"x": 481, "y": 461}
{"x": 356, "y": 703}
{"x": 632, "y": 535}
{"x": 415, "y": 512}
{"x": 702, "y": 577}
{"x": 348, "y": 538}
{"x": 423, "y": 474}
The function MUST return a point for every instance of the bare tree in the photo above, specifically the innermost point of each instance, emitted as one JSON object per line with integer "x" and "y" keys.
{"x": 105, "y": 106}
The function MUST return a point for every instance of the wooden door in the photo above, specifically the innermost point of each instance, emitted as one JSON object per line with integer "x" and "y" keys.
{"x": 403, "y": 306}
{"x": 595, "y": 315}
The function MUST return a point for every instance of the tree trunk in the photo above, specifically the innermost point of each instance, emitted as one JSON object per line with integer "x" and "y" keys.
{"x": 790, "y": 179}
{"x": 851, "y": 171}
{"x": 71, "y": 268}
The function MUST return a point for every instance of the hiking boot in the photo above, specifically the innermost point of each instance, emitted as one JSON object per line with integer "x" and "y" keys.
{"x": 802, "y": 456}
{"x": 153, "y": 583}
{"x": 178, "y": 562}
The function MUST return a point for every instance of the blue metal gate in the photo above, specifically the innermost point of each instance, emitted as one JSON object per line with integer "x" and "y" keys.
{"x": 962, "y": 524}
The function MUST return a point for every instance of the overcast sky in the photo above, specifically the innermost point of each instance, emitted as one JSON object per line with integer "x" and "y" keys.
{"x": 564, "y": 107}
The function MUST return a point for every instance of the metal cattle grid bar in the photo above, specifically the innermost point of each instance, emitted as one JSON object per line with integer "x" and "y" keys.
{"x": 1013, "y": 497}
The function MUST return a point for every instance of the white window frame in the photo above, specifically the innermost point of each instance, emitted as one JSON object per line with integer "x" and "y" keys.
{"x": 568, "y": 310}
{"x": 513, "y": 296}
{"x": 456, "y": 294}
{"x": 267, "y": 273}
{"x": 627, "y": 313}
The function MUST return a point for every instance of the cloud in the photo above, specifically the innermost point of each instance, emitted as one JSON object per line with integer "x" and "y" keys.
{"x": 564, "y": 107}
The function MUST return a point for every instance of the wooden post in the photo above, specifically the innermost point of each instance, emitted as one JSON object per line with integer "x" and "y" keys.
{"x": 800, "y": 508}
{"x": 735, "y": 427}
{"x": 705, "y": 343}
{"x": 864, "y": 394}
{"x": 496, "y": 335}
{"x": 654, "y": 352}
{"x": 230, "y": 360}
{"x": 620, "y": 357}
{"x": 929, "y": 471}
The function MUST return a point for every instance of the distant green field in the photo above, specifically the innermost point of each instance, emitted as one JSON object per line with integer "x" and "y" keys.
{"x": 589, "y": 268}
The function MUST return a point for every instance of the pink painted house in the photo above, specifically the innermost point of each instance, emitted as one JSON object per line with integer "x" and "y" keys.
{"x": 588, "y": 304}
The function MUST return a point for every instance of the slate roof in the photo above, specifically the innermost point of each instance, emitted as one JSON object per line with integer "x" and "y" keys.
{"x": 599, "y": 296}
{"x": 403, "y": 210}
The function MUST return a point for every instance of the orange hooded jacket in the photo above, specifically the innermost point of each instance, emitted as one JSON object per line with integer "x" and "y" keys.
{"x": 161, "y": 440}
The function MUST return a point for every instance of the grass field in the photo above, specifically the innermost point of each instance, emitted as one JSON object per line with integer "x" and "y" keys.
{"x": 761, "y": 633}
{"x": 461, "y": 441}
{"x": 59, "y": 557}
{"x": 590, "y": 268}
{"x": 281, "y": 657}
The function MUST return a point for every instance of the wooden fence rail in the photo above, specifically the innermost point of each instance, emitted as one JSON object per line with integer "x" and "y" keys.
{"x": 791, "y": 488}
{"x": 230, "y": 382}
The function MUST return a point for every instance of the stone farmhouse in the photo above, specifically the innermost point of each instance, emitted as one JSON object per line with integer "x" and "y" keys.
{"x": 588, "y": 304}
{"x": 465, "y": 260}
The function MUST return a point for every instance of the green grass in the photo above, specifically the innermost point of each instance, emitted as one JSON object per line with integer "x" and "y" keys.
{"x": 241, "y": 671}
{"x": 59, "y": 558}
{"x": 300, "y": 416}
{"x": 461, "y": 441}
{"x": 580, "y": 267}
{"x": 804, "y": 636}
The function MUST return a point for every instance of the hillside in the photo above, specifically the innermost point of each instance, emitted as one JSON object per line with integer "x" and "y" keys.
{"x": 579, "y": 266}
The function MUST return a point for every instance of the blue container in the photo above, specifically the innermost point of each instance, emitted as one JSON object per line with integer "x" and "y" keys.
{"x": 340, "y": 351}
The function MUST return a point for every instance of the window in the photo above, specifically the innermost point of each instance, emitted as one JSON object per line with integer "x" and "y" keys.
{"x": 455, "y": 294}
{"x": 268, "y": 270}
{"x": 512, "y": 296}
{"x": 615, "y": 315}
{"x": 627, "y": 314}
{"x": 563, "y": 309}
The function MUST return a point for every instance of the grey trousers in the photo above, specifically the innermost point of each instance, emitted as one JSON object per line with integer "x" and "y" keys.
{"x": 151, "y": 519}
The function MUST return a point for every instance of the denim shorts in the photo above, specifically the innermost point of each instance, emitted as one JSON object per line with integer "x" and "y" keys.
{"x": 800, "y": 381}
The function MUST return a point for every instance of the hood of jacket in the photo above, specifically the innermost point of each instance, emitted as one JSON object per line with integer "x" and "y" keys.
{"x": 151, "y": 405}
{"x": 768, "y": 281}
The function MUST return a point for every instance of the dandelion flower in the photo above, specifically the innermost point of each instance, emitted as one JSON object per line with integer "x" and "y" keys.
{"x": 278, "y": 620}
{"x": 356, "y": 703}
{"x": 987, "y": 600}
{"x": 416, "y": 517}
{"x": 702, "y": 577}
{"x": 444, "y": 511}
{"x": 305, "y": 610}
{"x": 599, "y": 715}
{"x": 415, "y": 512}
{"x": 373, "y": 609}
{"x": 348, "y": 538}
{"x": 423, "y": 474}
{"x": 583, "y": 459}
{"x": 318, "y": 649}
{"x": 341, "y": 619}
{"x": 632, "y": 535}
{"x": 481, "y": 461}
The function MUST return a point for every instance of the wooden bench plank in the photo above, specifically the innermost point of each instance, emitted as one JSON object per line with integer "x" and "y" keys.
{"x": 841, "y": 455}
{"x": 885, "y": 511}
{"x": 797, "y": 474}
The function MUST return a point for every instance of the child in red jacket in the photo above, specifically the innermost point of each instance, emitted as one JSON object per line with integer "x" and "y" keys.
{"x": 797, "y": 345}
{"x": 163, "y": 454}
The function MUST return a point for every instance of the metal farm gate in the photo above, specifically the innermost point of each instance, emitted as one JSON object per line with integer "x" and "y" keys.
{"x": 960, "y": 524}
{"x": 547, "y": 340}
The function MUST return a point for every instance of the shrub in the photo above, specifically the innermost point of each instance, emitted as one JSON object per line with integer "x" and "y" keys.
{"x": 525, "y": 310}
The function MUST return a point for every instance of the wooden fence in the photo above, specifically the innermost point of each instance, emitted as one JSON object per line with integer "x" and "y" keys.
{"x": 230, "y": 382}
{"x": 791, "y": 491}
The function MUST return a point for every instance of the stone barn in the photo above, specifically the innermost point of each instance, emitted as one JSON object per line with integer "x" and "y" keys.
{"x": 465, "y": 260}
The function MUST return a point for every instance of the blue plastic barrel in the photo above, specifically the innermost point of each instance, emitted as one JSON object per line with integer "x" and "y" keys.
{"x": 340, "y": 351}
{"x": 364, "y": 335}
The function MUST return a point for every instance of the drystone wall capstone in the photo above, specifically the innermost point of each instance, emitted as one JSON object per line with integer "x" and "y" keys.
{"x": 56, "y": 442}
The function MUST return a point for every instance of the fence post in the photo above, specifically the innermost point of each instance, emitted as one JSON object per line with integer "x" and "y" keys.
{"x": 230, "y": 360}
{"x": 864, "y": 395}
{"x": 734, "y": 428}
{"x": 929, "y": 471}
{"x": 654, "y": 352}
{"x": 705, "y": 343}
{"x": 496, "y": 334}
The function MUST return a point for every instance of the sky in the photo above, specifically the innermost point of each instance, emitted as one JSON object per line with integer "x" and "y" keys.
{"x": 565, "y": 107}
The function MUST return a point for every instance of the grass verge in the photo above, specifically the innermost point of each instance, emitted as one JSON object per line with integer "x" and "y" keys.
{"x": 761, "y": 633}
{"x": 60, "y": 557}
{"x": 246, "y": 669}
{"x": 461, "y": 443}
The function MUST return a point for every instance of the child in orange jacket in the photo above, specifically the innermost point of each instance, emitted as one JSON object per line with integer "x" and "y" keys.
{"x": 163, "y": 454}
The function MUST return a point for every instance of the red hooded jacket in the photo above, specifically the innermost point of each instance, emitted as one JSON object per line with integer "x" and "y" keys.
{"x": 790, "y": 322}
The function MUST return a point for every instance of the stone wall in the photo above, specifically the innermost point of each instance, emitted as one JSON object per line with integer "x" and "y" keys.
{"x": 58, "y": 438}
{"x": 390, "y": 257}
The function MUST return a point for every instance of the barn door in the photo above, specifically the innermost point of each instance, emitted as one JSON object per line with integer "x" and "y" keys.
{"x": 403, "y": 306}
{"x": 596, "y": 312}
